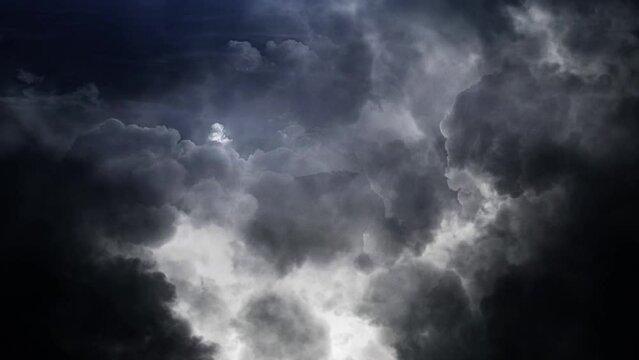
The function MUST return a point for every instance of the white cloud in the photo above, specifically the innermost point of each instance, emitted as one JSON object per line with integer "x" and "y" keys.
{"x": 218, "y": 134}
{"x": 210, "y": 261}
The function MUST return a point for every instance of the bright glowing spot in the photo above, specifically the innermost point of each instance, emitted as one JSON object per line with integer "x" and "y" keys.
{"x": 218, "y": 134}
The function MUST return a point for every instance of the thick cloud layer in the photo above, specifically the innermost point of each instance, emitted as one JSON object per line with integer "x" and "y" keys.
{"x": 427, "y": 311}
{"x": 468, "y": 168}
{"x": 560, "y": 141}
{"x": 576, "y": 186}
{"x": 314, "y": 216}
{"x": 67, "y": 297}
{"x": 82, "y": 196}
{"x": 280, "y": 327}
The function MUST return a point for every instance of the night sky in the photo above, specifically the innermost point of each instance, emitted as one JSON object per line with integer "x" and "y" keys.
{"x": 319, "y": 179}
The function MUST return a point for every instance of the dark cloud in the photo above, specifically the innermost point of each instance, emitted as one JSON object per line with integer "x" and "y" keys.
{"x": 571, "y": 287}
{"x": 153, "y": 173}
{"x": 398, "y": 197}
{"x": 68, "y": 298}
{"x": 184, "y": 63}
{"x": 427, "y": 312}
{"x": 410, "y": 178}
{"x": 496, "y": 128}
{"x": 83, "y": 195}
{"x": 554, "y": 264}
{"x": 458, "y": 17}
{"x": 535, "y": 121}
{"x": 315, "y": 165}
{"x": 413, "y": 33}
{"x": 311, "y": 217}
{"x": 281, "y": 327}
{"x": 52, "y": 120}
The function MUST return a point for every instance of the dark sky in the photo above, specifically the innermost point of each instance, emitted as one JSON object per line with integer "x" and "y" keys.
{"x": 310, "y": 180}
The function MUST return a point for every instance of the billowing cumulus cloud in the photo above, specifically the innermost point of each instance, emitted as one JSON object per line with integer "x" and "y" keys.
{"x": 339, "y": 179}
{"x": 555, "y": 138}
{"x": 427, "y": 311}
{"x": 311, "y": 217}
{"x": 73, "y": 297}
{"x": 281, "y": 327}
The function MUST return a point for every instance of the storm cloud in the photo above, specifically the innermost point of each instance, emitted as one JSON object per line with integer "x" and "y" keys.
{"x": 281, "y": 327}
{"x": 344, "y": 180}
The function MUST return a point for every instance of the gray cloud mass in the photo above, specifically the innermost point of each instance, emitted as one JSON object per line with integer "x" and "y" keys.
{"x": 340, "y": 180}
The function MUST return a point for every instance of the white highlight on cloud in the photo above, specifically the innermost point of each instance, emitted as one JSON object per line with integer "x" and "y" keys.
{"x": 480, "y": 204}
{"x": 334, "y": 292}
{"x": 452, "y": 232}
{"x": 215, "y": 277}
{"x": 218, "y": 134}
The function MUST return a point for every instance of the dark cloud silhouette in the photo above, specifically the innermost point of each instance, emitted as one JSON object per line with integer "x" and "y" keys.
{"x": 554, "y": 139}
{"x": 409, "y": 177}
{"x": 554, "y": 263}
{"x": 427, "y": 311}
{"x": 327, "y": 147}
{"x": 69, "y": 298}
{"x": 398, "y": 197}
{"x": 81, "y": 197}
{"x": 29, "y": 117}
{"x": 509, "y": 138}
{"x": 154, "y": 173}
{"x": 311, "y": 217}
{"x": 575, "y": 237}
